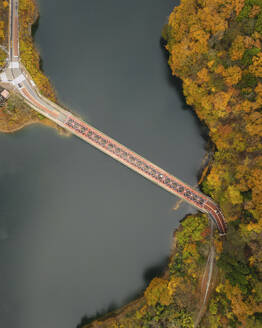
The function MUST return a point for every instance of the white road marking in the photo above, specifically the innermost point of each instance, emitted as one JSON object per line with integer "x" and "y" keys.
{"x": 3, "y": 77}
{"x": 14, "y": 64}
{"x": 19, "y": 79}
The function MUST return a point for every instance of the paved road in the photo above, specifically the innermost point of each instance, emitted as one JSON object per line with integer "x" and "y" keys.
{"x": 16, "y": 74}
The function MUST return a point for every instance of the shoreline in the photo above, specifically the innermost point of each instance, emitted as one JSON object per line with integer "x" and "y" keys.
{"x": 33, "y": 122}
{"x": 16, "y": 129}
{"x": 175, "y": 294}
{"x": 217, "y": 52}
{"x": 30, "y": 57}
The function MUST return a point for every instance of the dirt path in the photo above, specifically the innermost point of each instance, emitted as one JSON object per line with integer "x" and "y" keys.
{"x": 207, "y": 277}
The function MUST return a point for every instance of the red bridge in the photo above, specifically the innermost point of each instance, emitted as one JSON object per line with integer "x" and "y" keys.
{"x": 147, "y": 169}
{"x": 17, "y": 76}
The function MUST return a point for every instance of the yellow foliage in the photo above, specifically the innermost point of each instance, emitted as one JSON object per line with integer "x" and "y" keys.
{"x": 232, "y": 75}
{"x": 5, "y": 4}
{"x": 239, "y": 4}
{"x": 140, "y": 313}
{"x": 218, "y": 246}
{"x": 245, "y": 106}
{"x": 211, "y": 21}
{"x": 241, "y": 308}
{"x": 256, "y": 36}
{"x": 158, "y": 292}
{"x": 173, "y": 284}
{"x": 248, "y": 42}
{"x": 220, "y": 101}
{"x": 256, "y": 227}
{"x": 220, "y": 288}
{"x": 254, "y": 125}
{"x": 190, "y": 252}
{"x": 258, "y": 89}
{"x": 234, "y": 195}
{"x": 179, "y": 17}
{"x": 256, "y": 67}
{"x": 210, "y": 63}
{"x": 254, "y": 11}
{"x": 220, "y": 69}
{"x": 238, "y": 48}
{"x": 203, "y": 75}
{"x": 214, "y": 178}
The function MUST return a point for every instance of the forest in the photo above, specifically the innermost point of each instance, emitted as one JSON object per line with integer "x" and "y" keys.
{"x": 215, "y": 49}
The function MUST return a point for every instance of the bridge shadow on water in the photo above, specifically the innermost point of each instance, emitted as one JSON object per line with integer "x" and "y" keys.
{"x": 156, "y": 270}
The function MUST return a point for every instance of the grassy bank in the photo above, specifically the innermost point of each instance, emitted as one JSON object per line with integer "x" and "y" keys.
{"x": 16, "y": 114}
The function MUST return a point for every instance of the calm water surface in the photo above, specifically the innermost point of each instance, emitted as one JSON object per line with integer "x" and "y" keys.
{"x": 79, "y": 232}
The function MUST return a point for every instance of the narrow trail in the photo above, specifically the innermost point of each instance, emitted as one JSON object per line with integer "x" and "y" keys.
{"x": 207, "y": 277}
{"x": 208, "y": 273}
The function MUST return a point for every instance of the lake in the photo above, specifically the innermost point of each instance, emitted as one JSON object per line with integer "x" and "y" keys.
{"x": 79, "y": 232}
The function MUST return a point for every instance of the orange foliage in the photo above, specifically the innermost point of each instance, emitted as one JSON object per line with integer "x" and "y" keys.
{"x": 238, "y": 47}
{"x": 239, "y": 4}
{"x": 241, "y": 308}
{"x": 256, "y": 67}
{"x": 232, "y": 75}
{"x": 223, "y": 82}
{"x": 203, "y": 75}
{"x": 254, "y": 11}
